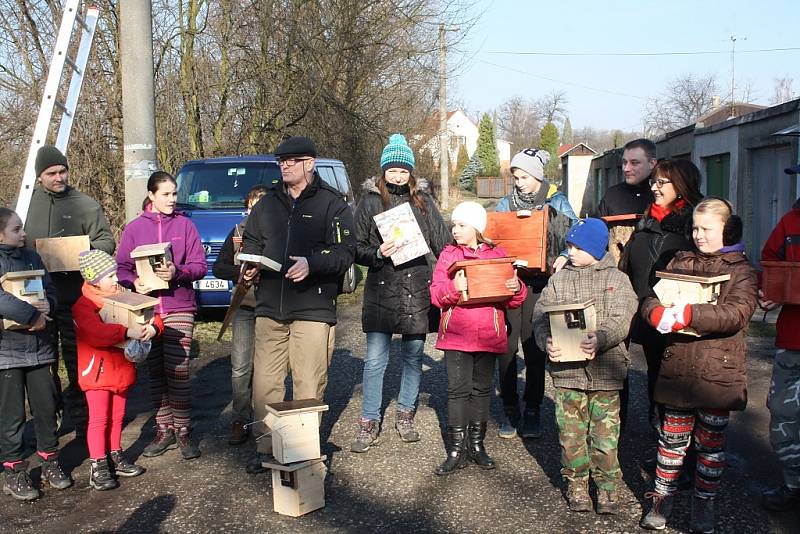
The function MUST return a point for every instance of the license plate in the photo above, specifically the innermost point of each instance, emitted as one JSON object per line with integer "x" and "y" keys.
{"x": 211, "y": 284}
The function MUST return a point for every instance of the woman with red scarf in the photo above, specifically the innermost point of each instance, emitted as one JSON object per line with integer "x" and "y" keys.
{"x": 665, "y": 229}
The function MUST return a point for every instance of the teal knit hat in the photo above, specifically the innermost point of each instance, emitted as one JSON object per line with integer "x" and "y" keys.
{"x": 397, "y": 154}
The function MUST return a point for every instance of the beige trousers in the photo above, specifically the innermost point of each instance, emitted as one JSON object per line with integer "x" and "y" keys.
{"x": 302, "y": 347}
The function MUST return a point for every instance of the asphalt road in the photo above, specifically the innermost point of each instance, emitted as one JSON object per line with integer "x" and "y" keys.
{"x": 392, "y": 487}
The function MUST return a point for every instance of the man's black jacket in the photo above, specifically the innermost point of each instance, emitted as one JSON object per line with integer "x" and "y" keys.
{"x": 318, "y": 225}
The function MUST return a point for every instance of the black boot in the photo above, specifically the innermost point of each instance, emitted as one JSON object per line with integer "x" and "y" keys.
{"x": 52, "y": 473}
{"x": 121, "y": 467}
{"x": 456, "y": 451}
{"x": 17, "y": 483}
{"x": 100, "y": 477}
{"x": 477, "y": 452}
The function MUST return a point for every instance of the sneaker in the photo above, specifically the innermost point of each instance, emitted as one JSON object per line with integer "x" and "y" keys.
{"x": 100, "y": 477}
{"x": 189, "y": 450}
{"x": 702, "y": 516}
{"x": 367, "y": 436}
{"x": 164, "y": 441}
{"x": 531, "y": 424}
{"x": 607, "y": 502}
{"x": 239, "y": 433}
{"x": 121, "y": 467}
{"x": 506, "y": 430}
{"x": 256, "y": 463}
{"x": 578, "y": 496}
{"x": 405, "y": 426}
{"x": 660, "y": 510}
{"x": 781, "y": 499}
{"x": 17, "y": 482}
{"x": 53, "y": 475}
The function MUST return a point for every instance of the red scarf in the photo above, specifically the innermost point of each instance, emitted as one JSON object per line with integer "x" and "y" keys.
{"x": 659, "y": 212}
{"x": 94, "y": 294}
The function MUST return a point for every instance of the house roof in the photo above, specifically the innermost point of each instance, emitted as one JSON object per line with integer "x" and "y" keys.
{"x": 579, "y": 148}
{"x": 724, "y": 112}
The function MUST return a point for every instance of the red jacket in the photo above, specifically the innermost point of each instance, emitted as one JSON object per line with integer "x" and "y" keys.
{"x": 784, "y": 245}
{"x": 476, "y": 327}
{"x": 102, "y": 365}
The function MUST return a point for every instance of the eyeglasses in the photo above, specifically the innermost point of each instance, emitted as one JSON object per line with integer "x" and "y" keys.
{"x": 290, "y": 162}
{"x": 659, "y": 182}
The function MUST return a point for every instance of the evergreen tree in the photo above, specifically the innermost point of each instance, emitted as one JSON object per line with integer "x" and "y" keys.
{"x": 550, "y": 143}
{"x": 474, "y": 168}
{"x": 462, "y": 160}
{"x": 619, "y": 139}
{"x": 487, "y": 147}
{"x": 566, "y": 135}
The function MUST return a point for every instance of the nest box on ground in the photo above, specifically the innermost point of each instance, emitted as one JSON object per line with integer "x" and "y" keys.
{"x": 294, "y": 426}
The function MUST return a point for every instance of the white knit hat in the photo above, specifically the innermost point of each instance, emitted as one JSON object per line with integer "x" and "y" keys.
{"x": 470, "y": 213}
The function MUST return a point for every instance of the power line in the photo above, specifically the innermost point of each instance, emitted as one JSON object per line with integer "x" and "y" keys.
{"x": 589, "y": 88}
{"x": 596, "y": 54}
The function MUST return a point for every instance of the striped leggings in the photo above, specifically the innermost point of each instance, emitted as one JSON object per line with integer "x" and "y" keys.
{"x": 708, "y": 426}
{"x": 168, "y": 363}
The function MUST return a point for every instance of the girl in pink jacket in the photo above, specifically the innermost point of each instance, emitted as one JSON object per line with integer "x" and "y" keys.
{"x": 471, "y": 336}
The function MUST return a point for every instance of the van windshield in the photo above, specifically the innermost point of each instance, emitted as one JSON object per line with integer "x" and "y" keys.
{"x": 210, "y": 186}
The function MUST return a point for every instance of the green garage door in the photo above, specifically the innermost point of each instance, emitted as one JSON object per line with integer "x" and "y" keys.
{"x": 718, "y": 172}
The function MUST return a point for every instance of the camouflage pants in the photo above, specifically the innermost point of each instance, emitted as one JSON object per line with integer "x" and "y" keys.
{"x": 588, "y": 430}
{"x": 784, "y": 407}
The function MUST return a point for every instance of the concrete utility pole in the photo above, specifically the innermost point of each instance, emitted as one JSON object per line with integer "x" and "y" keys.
{"x": 444, "y": 141}
{"x": 138, "y": 101}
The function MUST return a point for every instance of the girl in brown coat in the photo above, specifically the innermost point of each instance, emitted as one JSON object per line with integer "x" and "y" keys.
{"x": 702, "y": 378}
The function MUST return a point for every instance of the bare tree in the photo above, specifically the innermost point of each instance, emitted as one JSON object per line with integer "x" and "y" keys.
{"x": 782, "y": 91}
{"x": 685, "y": 99}
{"x": 553, "y": 107}
{"x": 519, "y": 121}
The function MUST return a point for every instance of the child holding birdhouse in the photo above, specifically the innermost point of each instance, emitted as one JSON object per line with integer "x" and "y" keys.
{"x": 26, "y": 352}
{"x": 703, "y": 378}
{"x": 588, "y": 383}
{"x": 106, "y": 370}
{"x": 471, "y": 336}
{"x": 168, "y": 362}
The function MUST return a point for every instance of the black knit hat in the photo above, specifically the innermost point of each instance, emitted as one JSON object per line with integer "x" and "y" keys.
{"x": 296, "y": 146}
{"x": 47, "y": 156}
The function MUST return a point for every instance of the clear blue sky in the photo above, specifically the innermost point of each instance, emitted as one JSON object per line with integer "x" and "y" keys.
{"x": 584, "y": 26}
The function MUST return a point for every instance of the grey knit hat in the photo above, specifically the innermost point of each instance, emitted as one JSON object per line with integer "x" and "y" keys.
{"x": 532, "y": 161}
{"x": 47, "y": 156}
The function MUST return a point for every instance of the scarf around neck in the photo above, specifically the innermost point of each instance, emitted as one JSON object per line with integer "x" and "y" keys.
{"x": 530, "y": 201}
{"x": 659, "y": 212}
{"x": 94, "y": 294}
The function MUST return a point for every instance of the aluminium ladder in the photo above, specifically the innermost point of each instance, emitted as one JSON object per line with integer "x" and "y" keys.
{"x": 50, "y": 100}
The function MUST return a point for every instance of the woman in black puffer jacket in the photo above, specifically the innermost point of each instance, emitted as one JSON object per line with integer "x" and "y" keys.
{"x": 396, "y": 297}
{"x": 665, "y": 229}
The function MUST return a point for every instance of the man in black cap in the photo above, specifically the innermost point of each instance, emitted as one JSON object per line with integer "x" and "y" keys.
{"x": 307, "y": 227}
{"x": 58, "y": 210}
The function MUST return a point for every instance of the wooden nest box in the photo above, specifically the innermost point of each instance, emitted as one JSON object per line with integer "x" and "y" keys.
{"x": 780, "y": 281}
{"x": 129, "y": 309}
{"x": 522, "y": 234}
{"x": 676, "y": 287}
{"x": 298, "y": 488}
{"x": 60, "y": 254}
{"x": 294, "y": 426}
{"x": 25, "y": 285}
{"x": 148, "y": 258}
{"x": 569, "y": 324}
{"x": 620, "y": 230}
{"x": 486, "y": 279}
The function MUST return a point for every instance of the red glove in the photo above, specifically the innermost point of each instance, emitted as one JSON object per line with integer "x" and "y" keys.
{"x": 671, "y": 319}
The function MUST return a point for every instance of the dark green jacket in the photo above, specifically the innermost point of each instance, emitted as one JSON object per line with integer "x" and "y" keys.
{"x": 68, "y": 214}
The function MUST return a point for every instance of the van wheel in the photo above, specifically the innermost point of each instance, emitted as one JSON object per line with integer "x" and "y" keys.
{"x": 349, "y": 281}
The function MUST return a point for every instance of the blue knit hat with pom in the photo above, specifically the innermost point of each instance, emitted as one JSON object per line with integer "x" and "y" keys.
{"x": 397, "y": 154}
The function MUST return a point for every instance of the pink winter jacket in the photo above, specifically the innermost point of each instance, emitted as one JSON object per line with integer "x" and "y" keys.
{"x": 470, "y": 327}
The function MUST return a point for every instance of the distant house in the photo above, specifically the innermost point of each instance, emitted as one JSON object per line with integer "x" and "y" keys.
{"x": 462, "y": 132}
{"x": 575, "y": 161}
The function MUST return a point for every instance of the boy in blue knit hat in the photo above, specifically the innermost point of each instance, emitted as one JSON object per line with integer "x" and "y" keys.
{"x": 587, "y": 391}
